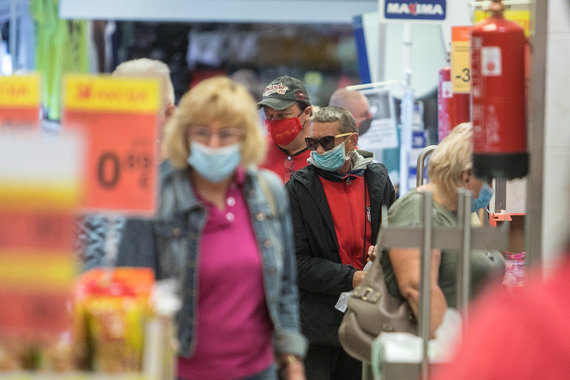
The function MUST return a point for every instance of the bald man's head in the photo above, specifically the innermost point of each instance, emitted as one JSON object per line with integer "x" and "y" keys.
{"x": 356, "y": 103}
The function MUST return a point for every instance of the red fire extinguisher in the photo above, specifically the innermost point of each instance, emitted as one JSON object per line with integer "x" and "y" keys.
{"x": 452, "y": 108}
{"x": 498, "y": 96}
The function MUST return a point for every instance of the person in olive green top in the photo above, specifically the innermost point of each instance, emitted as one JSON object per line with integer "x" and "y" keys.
{"x": 449, "y": 168}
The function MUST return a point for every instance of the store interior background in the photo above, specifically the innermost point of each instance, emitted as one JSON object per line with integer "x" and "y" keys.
{"x": 322, "y": 55}
{"x": 314, "y": 40}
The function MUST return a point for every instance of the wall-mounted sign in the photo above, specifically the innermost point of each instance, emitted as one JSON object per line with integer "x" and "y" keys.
{"x": 460, "y": 60}
{"x": 413, "y": 10}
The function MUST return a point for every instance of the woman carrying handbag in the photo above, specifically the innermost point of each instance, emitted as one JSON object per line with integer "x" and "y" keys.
{"x": 395, "y": 276}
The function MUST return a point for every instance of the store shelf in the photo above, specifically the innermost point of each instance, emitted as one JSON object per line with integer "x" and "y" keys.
{"x": 70, "y": 376}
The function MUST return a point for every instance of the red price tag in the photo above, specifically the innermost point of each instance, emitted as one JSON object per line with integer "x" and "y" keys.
{"x": 20, "y": 102}
{"x": 35, "y": 316}
{"x": 118, "y": 119}
{"x": 121, "y": 167}
{"x": 20, "y": 118}
{"x": 37, "y": 270}
{"x": 35, "y": 230}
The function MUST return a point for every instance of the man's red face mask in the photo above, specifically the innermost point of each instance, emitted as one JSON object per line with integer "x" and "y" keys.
{"x": 283, "y": 132}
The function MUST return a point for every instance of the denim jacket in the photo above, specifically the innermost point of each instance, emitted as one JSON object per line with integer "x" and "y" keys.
{"x": 169, "y": 244}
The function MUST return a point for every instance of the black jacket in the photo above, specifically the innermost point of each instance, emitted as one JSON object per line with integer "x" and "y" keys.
{"x": 320, "y": 274}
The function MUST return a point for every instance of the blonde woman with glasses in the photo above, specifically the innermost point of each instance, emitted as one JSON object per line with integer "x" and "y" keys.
{"x": 224, "y": 230}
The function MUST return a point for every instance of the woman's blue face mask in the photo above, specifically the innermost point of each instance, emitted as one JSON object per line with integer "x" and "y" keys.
{"x": 214, "y": 164}
{"x": 483, "y": 199}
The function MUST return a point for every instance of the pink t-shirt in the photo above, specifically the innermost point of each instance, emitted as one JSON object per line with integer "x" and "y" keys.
{"x": 234, "y": 330}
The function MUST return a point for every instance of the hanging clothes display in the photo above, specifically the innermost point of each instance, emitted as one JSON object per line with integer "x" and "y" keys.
{"x": 21, "y": 55}
{"x": 62, "y": 48}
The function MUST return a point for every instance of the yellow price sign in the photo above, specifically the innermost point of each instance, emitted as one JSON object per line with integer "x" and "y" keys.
{"x": 110, "y": 94}
{"x": 20, "y": 91}
{"x": 460, "y": 60}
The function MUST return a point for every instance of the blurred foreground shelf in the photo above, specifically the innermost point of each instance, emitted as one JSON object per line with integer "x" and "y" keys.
{"x": 71, "y": 376}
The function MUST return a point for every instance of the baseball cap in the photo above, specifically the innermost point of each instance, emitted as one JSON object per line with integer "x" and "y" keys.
{"x": 283, "y": 92}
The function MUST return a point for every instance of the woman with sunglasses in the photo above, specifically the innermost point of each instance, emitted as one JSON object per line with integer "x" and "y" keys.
{"x": 224, "y": 230}
{"x": 335, "y": 207}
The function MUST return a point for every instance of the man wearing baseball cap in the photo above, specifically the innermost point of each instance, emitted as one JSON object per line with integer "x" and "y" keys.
{"x": 287, "y": 110}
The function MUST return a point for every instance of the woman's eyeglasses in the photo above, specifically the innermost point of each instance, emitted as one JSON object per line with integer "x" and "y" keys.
{"x": 226, "y": 136}
{"x": 327, "y": 142}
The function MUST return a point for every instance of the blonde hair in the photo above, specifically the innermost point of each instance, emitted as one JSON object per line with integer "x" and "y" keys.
{"x": 145, "y": 67}
{"x": 219, "y": 100}
{"x": 449, "y": 159}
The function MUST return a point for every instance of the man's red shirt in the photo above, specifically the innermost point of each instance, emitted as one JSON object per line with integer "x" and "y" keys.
{"x": 282, "y": 163}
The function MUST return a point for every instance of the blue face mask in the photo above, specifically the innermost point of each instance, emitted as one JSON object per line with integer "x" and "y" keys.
{"x": 214, "y": 164}
{"x": 483, "y": 199}
{"x": 331, "y": 160}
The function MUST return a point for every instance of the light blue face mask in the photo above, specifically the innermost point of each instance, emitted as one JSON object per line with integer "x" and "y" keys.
{"x": 483, "y": 199}
{"x": 331, "y": 160}
{"x": 214, "y": 164}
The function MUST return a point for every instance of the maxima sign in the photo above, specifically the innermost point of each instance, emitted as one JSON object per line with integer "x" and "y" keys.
{"x": 412, "y": 10}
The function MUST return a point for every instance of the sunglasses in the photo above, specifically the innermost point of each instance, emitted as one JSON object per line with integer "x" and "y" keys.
{"x": 327, "y": 142}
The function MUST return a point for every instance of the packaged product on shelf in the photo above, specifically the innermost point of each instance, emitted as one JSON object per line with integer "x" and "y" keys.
{"x": 123, "y": 324}
{"x": 53, "y": 355}
{"x": 515, "y": 270}
{"x": 56, "y": 356}
{"x": 11, "y": 355}
{"x": 112, "y": 311}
